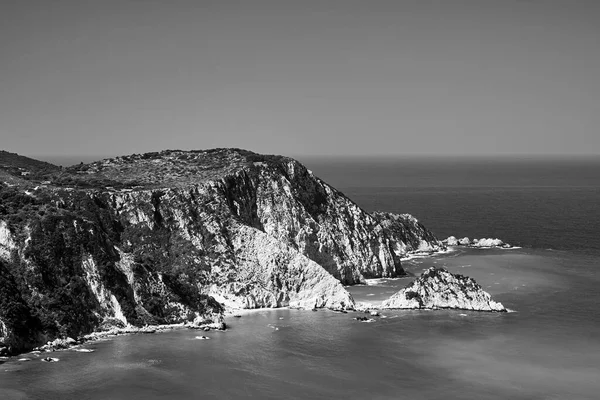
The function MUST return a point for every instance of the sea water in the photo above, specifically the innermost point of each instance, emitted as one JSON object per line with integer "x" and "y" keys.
{"x": 548, "y": 348}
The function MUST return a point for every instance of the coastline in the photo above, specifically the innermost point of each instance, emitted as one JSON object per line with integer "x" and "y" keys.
{"x": 63, "y": 344}
{"x": 361, "y": 306}
{"x": 394, "y": 340}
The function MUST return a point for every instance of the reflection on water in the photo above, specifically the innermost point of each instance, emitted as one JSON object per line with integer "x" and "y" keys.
{"x": 549, "y": 348}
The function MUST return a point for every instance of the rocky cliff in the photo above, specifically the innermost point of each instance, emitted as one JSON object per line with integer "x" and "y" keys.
{"x": 438, "y": 288}
{"x": 175, "y": 236}
{"x": 408, "y": 235}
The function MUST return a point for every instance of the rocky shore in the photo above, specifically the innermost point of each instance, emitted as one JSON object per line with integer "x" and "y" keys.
{"x": 68, "y": 343}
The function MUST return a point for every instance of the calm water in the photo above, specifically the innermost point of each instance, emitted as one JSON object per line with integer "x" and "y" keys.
{"x": 548, "y": 349}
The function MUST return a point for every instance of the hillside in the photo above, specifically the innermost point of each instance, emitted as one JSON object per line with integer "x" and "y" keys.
{"x": 23, "y": 167}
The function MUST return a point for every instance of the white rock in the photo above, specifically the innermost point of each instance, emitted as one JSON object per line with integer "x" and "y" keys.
{"x": 451, "y": 241}
{"x": 7, "y": 244}
{"x": 479, "y": 243}
{"x": 487, "y": 242}
{"x": 464, "y": 241}
{"x": 437, "y": 288}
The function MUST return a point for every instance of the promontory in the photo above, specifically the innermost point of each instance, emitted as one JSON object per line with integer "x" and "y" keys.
{"x": 179, "y": 236}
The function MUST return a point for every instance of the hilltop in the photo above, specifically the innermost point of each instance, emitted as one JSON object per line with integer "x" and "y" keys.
{"x": 166, "y": 168}
{"x": 17, "y": 168}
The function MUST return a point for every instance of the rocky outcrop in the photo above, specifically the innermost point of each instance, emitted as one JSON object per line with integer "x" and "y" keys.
{"x": 290, "y": 204}
{"x": 437, "y": 288}
{"x": 486, "y": 243}
{"x": 7, "y": 243}
{"x": 273, "y": 274}
{"x": 407, "y": 235}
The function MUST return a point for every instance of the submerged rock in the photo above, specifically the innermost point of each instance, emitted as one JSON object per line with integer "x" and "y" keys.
{"x": 364, "y": 319}
{"x": 438, "y": 288}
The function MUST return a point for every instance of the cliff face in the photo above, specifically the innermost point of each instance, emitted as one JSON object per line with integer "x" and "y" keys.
{"x": 299, "y": 209}
{"x": 217, "y": 228}
{"x": 66, "y": 275}
{"x": 438, "y": 288}
{"x": 171, "y": 237}
{"x": 408, "y": 235}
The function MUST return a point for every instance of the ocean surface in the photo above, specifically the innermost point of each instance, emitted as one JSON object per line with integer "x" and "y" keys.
{"x": 548, "y": 348}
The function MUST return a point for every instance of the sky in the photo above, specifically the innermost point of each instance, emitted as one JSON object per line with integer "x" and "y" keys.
{"x": 300, "y": 78}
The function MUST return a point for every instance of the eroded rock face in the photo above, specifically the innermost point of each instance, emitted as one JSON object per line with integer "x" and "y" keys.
{"x": 273, "y": 274}
{"x": 438, "y": 288}
{"x": 290, "y": 204}
{"x": 7, "y": 243}
{"x": 407, "y": 235}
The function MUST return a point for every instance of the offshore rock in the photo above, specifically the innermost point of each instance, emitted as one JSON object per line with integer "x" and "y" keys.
{"x": 464, "y": 241}
{"x": 407, "y": 235}
{"x": 451, "y": 241}
{"x": 486, "y": 243}
{"x": 437, "y": 288}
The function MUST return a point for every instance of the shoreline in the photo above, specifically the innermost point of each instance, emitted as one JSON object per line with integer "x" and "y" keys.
{"x": 65, "y": 344}
{"x": 62, "y": 344}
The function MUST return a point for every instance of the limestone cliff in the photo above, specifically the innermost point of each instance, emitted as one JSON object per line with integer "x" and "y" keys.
{"x": 274, "y": 194}
{"x": 438, "y": 288}
{"x": 408, "y": 236}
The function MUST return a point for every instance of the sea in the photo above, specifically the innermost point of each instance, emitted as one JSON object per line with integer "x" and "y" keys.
{"x": 547, "y": 347}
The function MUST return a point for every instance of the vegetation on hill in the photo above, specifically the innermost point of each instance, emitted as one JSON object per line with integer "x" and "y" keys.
{"x": 24, "y": 167}
{"x": 167, "y": 168}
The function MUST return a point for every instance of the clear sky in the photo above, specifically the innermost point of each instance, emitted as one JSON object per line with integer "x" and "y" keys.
{"x": 302, "y": 77}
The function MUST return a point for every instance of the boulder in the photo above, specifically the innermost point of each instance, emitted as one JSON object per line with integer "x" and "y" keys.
{"x": 464, "y": 241}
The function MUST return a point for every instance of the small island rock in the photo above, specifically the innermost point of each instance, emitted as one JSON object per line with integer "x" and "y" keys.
{"x": 486, "y": 243}
{"x": 437, "y": 288}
